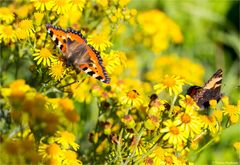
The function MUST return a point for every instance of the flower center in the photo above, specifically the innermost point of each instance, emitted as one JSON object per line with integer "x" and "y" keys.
{"x": 174, "y": 130}
{"x": 189, "y": 101}
{"x": 185, "y": 118}
{"x": 61, "y": 3}
{"x": 8, "y": 31}
{"x": 168, "y": 160}
{"x": 53, "y": 149}
{"x": 132, "y": 94}
{"x": 45, "y": 53}
{"x": 70, "y": 155}
{"x": 169, "y": 82}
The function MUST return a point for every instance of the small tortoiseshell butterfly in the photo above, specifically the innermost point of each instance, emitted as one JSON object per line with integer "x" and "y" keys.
{"x": 210, "y": 91}
{"x": 77, "y": 53}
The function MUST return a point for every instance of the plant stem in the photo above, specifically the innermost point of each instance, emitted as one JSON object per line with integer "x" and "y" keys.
{"x": 172, "y": 105}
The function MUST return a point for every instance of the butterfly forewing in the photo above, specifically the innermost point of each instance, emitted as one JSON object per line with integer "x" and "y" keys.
{"x": 59, "y": 36}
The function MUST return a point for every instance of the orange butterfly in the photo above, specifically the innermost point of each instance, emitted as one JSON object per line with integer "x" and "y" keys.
{"x": 77, "y": 53}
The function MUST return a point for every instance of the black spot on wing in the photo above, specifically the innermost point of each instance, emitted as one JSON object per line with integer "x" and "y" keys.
{"x": 91, "y": 73}
{"x": 99, "y": 77}
{"x": 84, "y": 68}
{"x": 51, "y": 33}
{"x": 56, "y": 41}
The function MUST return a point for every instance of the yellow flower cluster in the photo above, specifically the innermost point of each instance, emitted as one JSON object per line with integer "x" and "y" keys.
{"x": 171, "y": 64}
{"x": 43, "y": 116}
{"x": 157, "y": 29}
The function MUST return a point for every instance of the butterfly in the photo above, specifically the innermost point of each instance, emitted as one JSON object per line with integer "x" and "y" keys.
{"x": 210, "y": 91}
{"x": 78, "y": 53}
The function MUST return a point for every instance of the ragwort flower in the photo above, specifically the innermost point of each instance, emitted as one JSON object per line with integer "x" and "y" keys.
{"x": 7, "y": 34}
{"x": 70, "y": 157}
{"x": 188, "y": 103}
{"x": 174, "y": 133}
{"x": 61, "y": 6}
{"x": 57, "y": 70}
{"x": 6, "y": 14}
{"x": 48, "y": 151}
{"x": 27, "y": 25}
{"x": 43, "y": 5}
{"x": 172, "y": 83}
{"x": 100, "y": 41}
{"x": 191, "y": 122}
{"x": 66, "y": 139}
{"x": 43, "y": 56}
{"x": 79, "y": 4}
{"x": 132, "y": 98}
{"x": 233, "y": 112}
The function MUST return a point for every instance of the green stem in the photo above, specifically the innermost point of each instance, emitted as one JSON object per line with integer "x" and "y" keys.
{"x": 129, "y": 158}
{"x": 205, "y": 146}
{"x": 172, "y": 105}
{"x": 119, "y": 147}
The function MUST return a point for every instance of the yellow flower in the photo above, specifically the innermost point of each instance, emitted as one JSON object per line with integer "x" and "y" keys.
{"x": 162, "y": 156}
{"x": 191, "y": 122}
{"x": 43, "y": 56}
{"x": 236, "y": 145}
{"x": 132, "y": 98}
{"x": 79, "y": 4}
{"x": 43, "y": 5}
{"x": 38, "y": 18}
{"x": 7, "y": 34}
{"x": 100, "y": 41}
{"x": 233, "y": 112}
{"x": 23, "y": 10}
{"x": 27, "y": 25}
{"x": 104, "y": 3}
{"x": 158, "y": 35}
{"x": 210, "y": 123}
{"x": 213, "y": 104}
{"x": 81, "y": 92}
{"x": 114, "y": 61}
{"x": 123, "y": 2}
{"x": 70, "y": 157}
{"x": 174, "y": 134}
{"x": 57, "y": 70}
{"x": 61, "y": 6}
{"x": 6, "y": 14}
{"x": 21, "y": 34}
{"x": 50, "y": 151}
{"x": 170, "y": 64}
{"x": 188, "y": 103}
{"x": 173, "y": 84}
{"x": 66, "y": 139}
{"x": 218, "y": 114}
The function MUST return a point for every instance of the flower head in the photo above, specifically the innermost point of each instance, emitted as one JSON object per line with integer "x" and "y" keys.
{"x": 43, "y": 5}
{"x": 100, "y": 41}
{"x": 191, "y": 122}
{"x": 66, "y": 139}
{"x": 172, "y": 83}
{"x": 174, "y": 134}
{"x": 57, "y": 70}
{"x": 6, "y": 14}
{"x": 233, "y": 112}
{"x": 61, "y": 6}
{"x": 70, "y": 157}
{"x": 7, "y": 34}
{"x": 27, "y": 25}
{"x": 43, "y": 56}
{"x": 132, "y": 98}
{"x": 188, "y": 103}
{"x": 50, "y": 151}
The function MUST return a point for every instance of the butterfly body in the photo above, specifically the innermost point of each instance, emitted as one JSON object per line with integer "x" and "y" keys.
{"x": 210, "y": 91}
{"x": 77, "y": 53}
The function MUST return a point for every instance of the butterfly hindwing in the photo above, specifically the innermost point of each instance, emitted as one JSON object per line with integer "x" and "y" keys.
{"x": 59, "y": 36}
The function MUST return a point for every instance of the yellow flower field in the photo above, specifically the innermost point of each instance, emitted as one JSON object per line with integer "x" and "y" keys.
{"x": 119, "y": 82}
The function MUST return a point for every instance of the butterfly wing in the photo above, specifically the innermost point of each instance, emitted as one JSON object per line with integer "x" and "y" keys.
{"x": 211, "y": 90}
{"x": 93, "y": 66}
{"x": 58, "y": 35}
